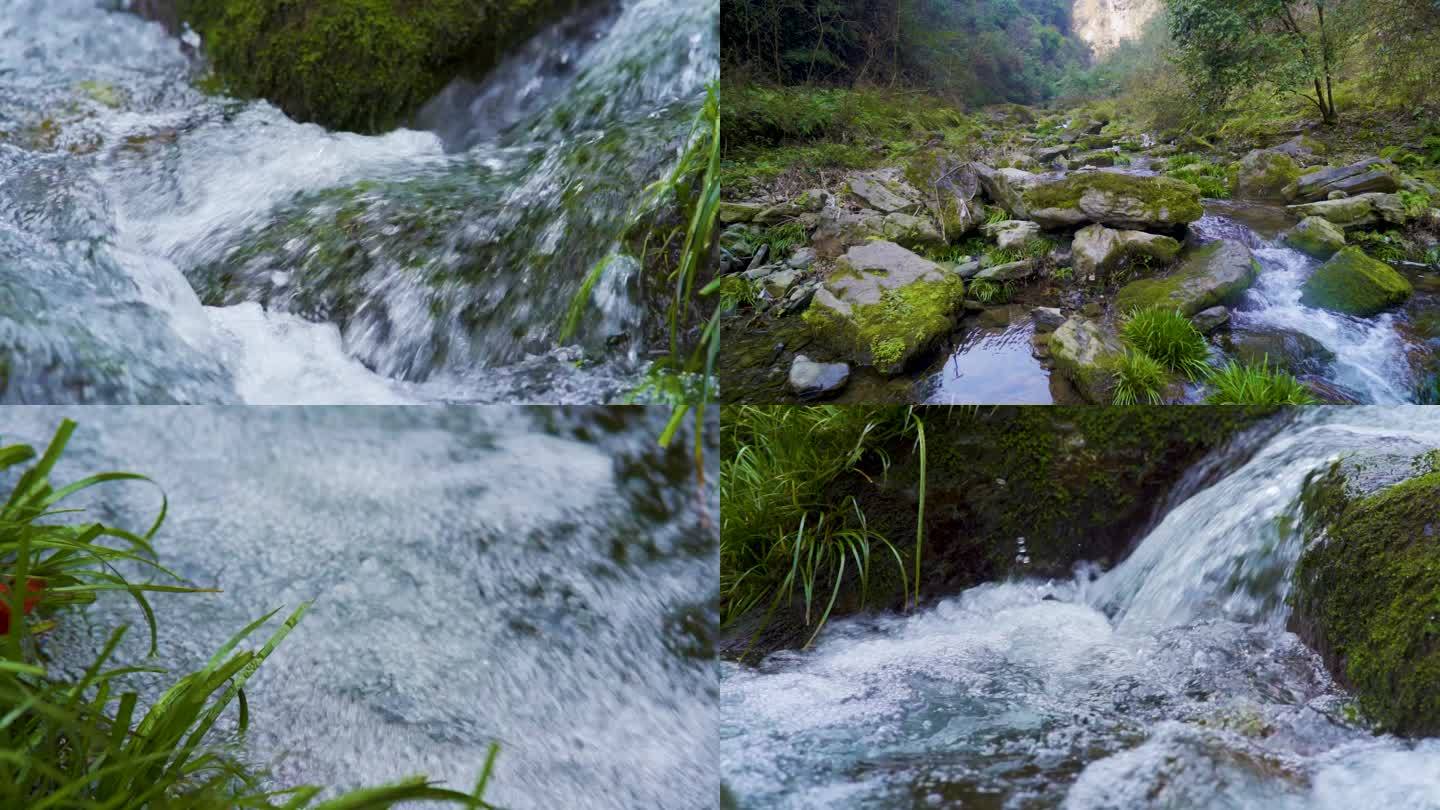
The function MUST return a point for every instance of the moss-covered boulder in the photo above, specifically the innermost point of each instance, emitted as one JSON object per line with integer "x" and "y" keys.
{"x": 1263, "y": 175}
{"x": 1354, "y": 283}
{"x": 1085, "y": 352}
{"x": 1214, "y": 274}
{"x": 1363, "y": 211}
{"x": 1372, "y": 175}
{"x": 1367, "y": 587}
{"x": 359, "y": 65}
{"x": 1316, "y": 236}
{"x": 885, "y": 306}
{"x": 1109, "y": 198}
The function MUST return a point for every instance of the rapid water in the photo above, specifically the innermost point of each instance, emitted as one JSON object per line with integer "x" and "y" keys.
{"x": 1166, "y": 682}
{"x": 1370, "y": 357}
{"x": 161, "y": 245}
{"x": 543, "y": 577}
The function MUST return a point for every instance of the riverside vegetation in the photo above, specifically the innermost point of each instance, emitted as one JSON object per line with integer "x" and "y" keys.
{"x": 1117, "y": 607}
{"x": 930, "y": 204}
{"x": 83, "y": 740}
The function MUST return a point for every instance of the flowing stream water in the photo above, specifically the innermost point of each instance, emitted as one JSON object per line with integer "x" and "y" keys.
{"x": 1168, "y": 681}
{"x": 543, "y": 578}
{"x": 158, "y": 244}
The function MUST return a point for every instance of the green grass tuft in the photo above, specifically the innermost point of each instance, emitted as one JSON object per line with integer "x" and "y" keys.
{"x": 1238, "y": 384}
{"x": 1168, "y": 336}
{"x": 1139, "y": 378}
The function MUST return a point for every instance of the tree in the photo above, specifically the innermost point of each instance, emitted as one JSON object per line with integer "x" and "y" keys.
{"x": 1294, "y": 46}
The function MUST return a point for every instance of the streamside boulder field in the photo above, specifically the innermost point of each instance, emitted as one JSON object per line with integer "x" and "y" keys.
{"x": 1076, "y": 212}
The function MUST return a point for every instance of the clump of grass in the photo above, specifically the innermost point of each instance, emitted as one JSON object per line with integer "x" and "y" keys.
{"x": 1168, "y": 336}
{"x": 87, "y": 743}
{"x": 989, "y": 292}
{"x": 785, "y": 534}
{"x": 1238, "y": 384}
{"x": 1139, "y": 378}
{"x": 1387, "y": 246}
{"x": 784, "y": 238}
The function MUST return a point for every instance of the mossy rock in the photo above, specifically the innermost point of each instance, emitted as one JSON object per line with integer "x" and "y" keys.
{"x": 1212, "y": 275}
{"x": 1111, "y": 198}
{"x": 1356, "y": 284}
{"x": 358, "y": 65}
{"x": 885, "y": 307}
{"x": 1367, "y": 591}
{"x": 1263, "y": 175}
{"x": 1317, "y": 237}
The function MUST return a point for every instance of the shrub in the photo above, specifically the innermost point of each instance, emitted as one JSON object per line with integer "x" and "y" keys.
{"x": 1238, "y": 384}
{"x": 1139, "y": 378}
{"x": 1168, "y": 336}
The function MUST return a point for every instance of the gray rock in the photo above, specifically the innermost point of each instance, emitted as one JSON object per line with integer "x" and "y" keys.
{"x": 802, "y": 259}
{"x": 1210, "y": 275}
{"x": 740, "y": 241}
{"x": 739, "y": 211}
{"x": 1098, "y": 249}
{"x": 1047, "y": 319}
{"x": 912, "y": 231}
{"x": 761, "y": 254}
{"x": 1295, "y": 352}
{"x": 777, "y": 284}
{"x": 1361, "y": 211}
{"x": 1316, "y": 236}
{"x": 1083, "y": 351}
{"x": 1373, "y": 175}
{"x": 1209, "y": 320}
{"x": 968, "y": 269}
{"x": 1111, "y": 198}
{"x": 1012, "y": 233}
{"x": 1014, "y": 271}
{"x": 813, "y": 380}
{"x": 885, "y": 191}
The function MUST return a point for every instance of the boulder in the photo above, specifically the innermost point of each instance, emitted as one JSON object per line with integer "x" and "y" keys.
{"x": 1109, "y": 198}
{"x": 1295, "y": 352}
{"x": 1211, "y": 275}
{"x": 1356, "y": 284}
{"x": 1050, "y": 153}
{"x": 812, "y": 380}
{"x": 1046, "y": 319}
{"x": 1363, "y": 211}
{"x": 1012, "y": 233}
{"x": 839, "y": 229}
{"x": 948, "y": 186}
{"x": 1317, "y": 237}
{"x": 1014, "y": 271}
{"x": 802, "y": 259}
{"x": 1084, "y": 352}
{"x": 1365, "y": 591}
{"x": 1098, "y": 249}
{"x": 886, "y": 191}
{"x": 1368, "y": 176}
{"x": 912, "y": 231}
{"x": 1098, "y": 158}
{"x": 885, "y": 306}
{"x": 1209, "y": 320}
{"x": 1264, "y": 174}
{"x": 1302, "y": 148}
{"x": 731, "y": 212}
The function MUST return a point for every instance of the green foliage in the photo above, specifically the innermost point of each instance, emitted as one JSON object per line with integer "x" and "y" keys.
{"x": 1416, "y": 203}
{"x": 87, "y": 742}
{"x": 1139, "y": 378}
{"x": 1168, "y": 336}
{"x": 1238, "y": 384}
{"x": 1209, "y": 177}
{"x": 990, "y": 292}
{"x": 1387, "y": 246}
{"x": 786, "y": 533}
{"x": 784, "y": 238}
{"x": 996, "y": 215}
{"x": 360, "y": 65}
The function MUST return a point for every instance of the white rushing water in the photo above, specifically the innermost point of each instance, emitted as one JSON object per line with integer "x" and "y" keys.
{"x": 128, "y": 197}
{"x": 1167, "y": 682}
{"x": 539, "y": 577}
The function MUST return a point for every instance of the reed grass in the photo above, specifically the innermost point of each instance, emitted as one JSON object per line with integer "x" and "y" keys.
{"x": 85, "y": 744}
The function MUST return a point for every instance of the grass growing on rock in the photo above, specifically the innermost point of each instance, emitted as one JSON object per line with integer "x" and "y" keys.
{"x": 1238, "y": 384}
{"x": 1139, "y": 378}
{"x": 1170, "y": 338}
{"x": 87, "y": 742}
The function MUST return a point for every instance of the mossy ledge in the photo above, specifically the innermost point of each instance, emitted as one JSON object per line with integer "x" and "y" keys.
{"x": 1367, "y": 592}
{"x": 357, "y": 65}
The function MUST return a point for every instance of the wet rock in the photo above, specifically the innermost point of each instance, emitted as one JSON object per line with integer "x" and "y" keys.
{"x": 968, "y": 269}
{"x": 1264, "y": 174}
{"x": 1211, "y": 275}
{"x": 1083, "y": 351}
{"x": 1098, "y": 249}
{"x": 1296, "y": 352}
{"x": 1317, "y": 237}
{"x": 1365, "y": 594}
{"x": 1361, "y": 211}
{"x": 1110, "y": 198}
{"x": 886, "y": 191}
{"x": 1046, "y": 319}
{"x": 812, "y": 380}
{"x": 885, "y": 306}
{"x": 761, "y": 254}
{"x": 1209, "y": 320}
{"x": 1012, "y": 233}
{"x": 1367, "y": 176}
{"x": 1356, "y": 284}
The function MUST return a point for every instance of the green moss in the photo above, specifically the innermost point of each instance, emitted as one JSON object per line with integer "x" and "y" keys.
{"x": 1368, "y": 595}
{"x": 1186, "y": 288}
{"x": 901, "y": 327}
{"x": 1164, "y": 199}
{"x": 1354, "y": 283}
{"x": 361, "y": 65}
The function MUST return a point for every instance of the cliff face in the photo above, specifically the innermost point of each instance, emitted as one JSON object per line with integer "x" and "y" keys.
{"x": 1104, "y": 24}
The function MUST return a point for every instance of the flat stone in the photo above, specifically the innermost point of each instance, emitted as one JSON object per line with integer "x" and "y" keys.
{"x": 1012, "y": 233}
{"x": 1014, "y": 271}
{"x": 885, "y": 191}
{"x": 812, "y": 380}
{"x": 1373, "y": 175}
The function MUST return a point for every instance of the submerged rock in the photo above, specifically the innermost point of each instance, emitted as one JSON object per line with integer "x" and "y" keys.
{"x": 1317, "y": 237}
{"x": 885, "y": 306}
{"x": 810, "y": 379}
{"x": 1212, "y": 275}
{"x": 1366, "y": 587}
{"x": 1356, "y": 284}
{"x": 1109, "y": 198}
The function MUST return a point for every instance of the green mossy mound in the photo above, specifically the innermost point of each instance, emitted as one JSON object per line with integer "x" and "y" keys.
{"x": 1368, "y": 593}
{"x": 1211, "y": 275}
{"x": 1354, "y": 283}
{"x": 358, "y": 65}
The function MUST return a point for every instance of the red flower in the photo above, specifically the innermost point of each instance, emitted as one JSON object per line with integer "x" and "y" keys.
{"x": 33, "y": 585}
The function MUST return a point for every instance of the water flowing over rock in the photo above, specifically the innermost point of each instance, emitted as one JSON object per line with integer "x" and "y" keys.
{"x": 1353, "y": 282}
